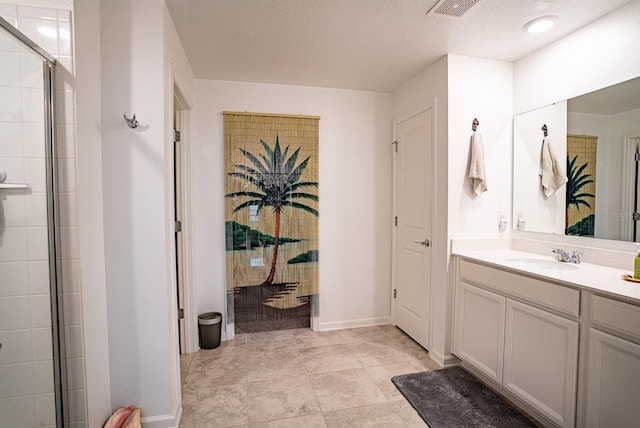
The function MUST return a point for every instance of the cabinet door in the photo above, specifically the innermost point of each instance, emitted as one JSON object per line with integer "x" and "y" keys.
{"x": 479, "y": 337}
{"x": 613, "y": 381}
{"x": 541, "y": 361}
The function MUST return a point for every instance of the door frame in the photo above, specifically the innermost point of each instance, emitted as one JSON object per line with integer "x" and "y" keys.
{"x": 394, "y": 234}
{"x": 181, "y": 105}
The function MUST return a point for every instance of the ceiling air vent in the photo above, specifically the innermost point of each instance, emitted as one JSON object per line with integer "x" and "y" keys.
{"x": 451, "y": 8}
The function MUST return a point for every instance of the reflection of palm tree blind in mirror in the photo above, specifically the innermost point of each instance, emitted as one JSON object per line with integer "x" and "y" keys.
{"x": 581, "y": 188}
{"x": 272, "y": 207}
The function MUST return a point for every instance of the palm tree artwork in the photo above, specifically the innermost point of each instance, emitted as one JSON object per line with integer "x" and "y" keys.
{"x": 272, "y": 180}
{"x": 576, "y": 180}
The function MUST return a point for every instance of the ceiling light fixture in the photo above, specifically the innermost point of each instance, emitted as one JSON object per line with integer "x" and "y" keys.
{"x": 540, "y": 24}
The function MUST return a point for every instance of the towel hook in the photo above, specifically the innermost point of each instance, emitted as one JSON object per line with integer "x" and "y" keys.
{"x": 474, "y": 124}
{"x": 131, "y": 123}
{"x": 544, "y": 130}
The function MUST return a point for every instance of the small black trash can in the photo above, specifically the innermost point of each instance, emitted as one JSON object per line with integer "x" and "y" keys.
{"x": 209, "y": 325}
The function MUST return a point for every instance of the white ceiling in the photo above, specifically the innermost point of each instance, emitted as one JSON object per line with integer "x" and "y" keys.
{"x": 373, "y": 45}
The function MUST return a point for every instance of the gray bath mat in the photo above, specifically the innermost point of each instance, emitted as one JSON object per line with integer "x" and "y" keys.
{"x": 451, "y": 398}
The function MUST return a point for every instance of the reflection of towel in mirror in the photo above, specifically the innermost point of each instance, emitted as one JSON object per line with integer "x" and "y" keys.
{"x": 476, "y": 165}
{"x": 552, "y": 170}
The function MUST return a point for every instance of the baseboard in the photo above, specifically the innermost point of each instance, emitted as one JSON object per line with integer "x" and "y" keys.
{"x": 365, "y": 322}
{"x": 444, "y": 361}
{"x": 162, "y": 421}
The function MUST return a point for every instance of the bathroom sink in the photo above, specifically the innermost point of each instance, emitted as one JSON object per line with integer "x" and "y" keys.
{"x": 543, "y": 264}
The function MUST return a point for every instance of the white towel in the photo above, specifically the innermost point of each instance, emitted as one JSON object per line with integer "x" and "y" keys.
{"x": 553, "y": 171}
{"x": 476, "y": 165}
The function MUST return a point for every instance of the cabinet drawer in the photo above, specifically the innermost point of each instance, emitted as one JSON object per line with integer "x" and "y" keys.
{"x": 619, "y": 316}
{"x": 553, "y": 296}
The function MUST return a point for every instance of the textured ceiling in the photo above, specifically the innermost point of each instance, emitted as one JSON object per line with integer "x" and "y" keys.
{"x": 374, "y": 45}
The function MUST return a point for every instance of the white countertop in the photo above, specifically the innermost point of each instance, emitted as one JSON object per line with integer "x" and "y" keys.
{"x": 603, "y": 279}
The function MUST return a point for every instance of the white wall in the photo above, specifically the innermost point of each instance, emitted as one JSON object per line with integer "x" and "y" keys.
{"x": 355, "y": 194}
{"x": 600, "y": 54}
{"x": 540, "y": 213}
{"x": 482, "y": 89}
{"x": 429, "y": 90}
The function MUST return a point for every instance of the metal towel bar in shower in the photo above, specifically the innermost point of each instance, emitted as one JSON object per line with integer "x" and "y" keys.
{"x": 12, "y": 186}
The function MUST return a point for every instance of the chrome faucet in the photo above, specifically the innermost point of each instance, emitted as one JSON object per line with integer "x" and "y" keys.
{"x": 563, "y": 256}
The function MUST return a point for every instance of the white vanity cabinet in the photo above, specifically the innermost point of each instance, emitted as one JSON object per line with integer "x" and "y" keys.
{"x": 519, "y": 332}
{"x": 613, "y": 373}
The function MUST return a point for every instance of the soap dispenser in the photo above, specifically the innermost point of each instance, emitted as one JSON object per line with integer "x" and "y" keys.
{"x": 636, "y": 267}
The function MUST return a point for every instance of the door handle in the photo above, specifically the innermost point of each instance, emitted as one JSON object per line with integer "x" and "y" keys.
{"x": 426, "y": 243}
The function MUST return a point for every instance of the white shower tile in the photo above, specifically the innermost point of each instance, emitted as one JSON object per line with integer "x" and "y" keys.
{"x": 72, "y": 309}
{"x": 8, "y": 10}
{"x": 10, "y": 70}
{"x": 68, "y": 209}
{"x": 11, "y": 145}
{"x": 65, "y": 62}
{"x": 42, "y": 31}
{"x": 39, "y": 277}
{"x": 64, "y": 78}
{"x": 32, "y": 71}
{"x": 64, "y": 38}
{"x": 35, "y": 174}
{"x": 32, "y": 105}
{"x": 7, "y": 44}
{"x": 67, "y": 175}
{"x": 69, "y": 243}
{"x": 36, "y": 210}
{"x": 14, "y": 279}
{"x": 37, "y": 12}
{"x": 77, "y": 405}
{"x": 41, "y": 311}
{"x": 12, "y": 210}
{"x": 36, "y": 213}
{"x": 14, "y": 167}
{"x": 13, "y": 246}
{"x": 65, "y": 113}
{"x": 16, "y": 346}
{"x": 34, "y": 140}
{"x": 43, "y": 377}
{"x": 64, "y": 15}
{"x": 18, "y": 411}
{"x": 10, "y": 105}
{"x": 17, "y": 380}
{"x": 45, "y": 409}
{"x": 42, "y": 344}
{"x": 66, "y": 141}
{"x": 70, "y": 276}
{"x": 15, "y": 313}
{"x": 73, "y": 339}
{"x": 37, "y": 243}
{"x": 75, "y": 373}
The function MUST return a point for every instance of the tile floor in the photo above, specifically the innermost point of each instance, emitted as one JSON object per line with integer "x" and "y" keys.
{"x": 300, "y": 378}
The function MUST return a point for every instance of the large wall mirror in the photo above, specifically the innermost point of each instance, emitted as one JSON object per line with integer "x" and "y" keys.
{"x": 594, "y": 140}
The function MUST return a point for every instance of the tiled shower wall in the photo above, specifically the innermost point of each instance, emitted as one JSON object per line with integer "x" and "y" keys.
{"x": 24, "y": 304}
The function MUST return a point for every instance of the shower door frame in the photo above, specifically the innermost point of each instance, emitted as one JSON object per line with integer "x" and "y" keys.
{"x": 53, "y": 229}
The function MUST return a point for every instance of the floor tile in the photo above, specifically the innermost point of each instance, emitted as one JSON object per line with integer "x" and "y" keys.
{"x": 408, "y": 414}
{"x": 311, "y": 339}
{"x": 382, "y": 375}
{"x": 323, "y": 359}
{"x": 346, "y": 388}
{"x": 226, "y": 348}
{"x": 274, "y": 365}
{"x": 280, "y": 399}
{"x": 377, "y": 354}
{"x": 206, "y": 372}
{"x": 311, "y": 421}
{"x": 375, "y": 415}
{"x": 223, "y": 406}
{"x": 365, "y": 334}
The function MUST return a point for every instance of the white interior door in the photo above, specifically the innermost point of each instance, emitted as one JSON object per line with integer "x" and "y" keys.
{"x": 413, "y": 172}
{"x": 178, "y": 201}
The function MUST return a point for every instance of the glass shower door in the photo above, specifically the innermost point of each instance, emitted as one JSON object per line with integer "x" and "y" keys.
{"x": 30, "y": 370}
